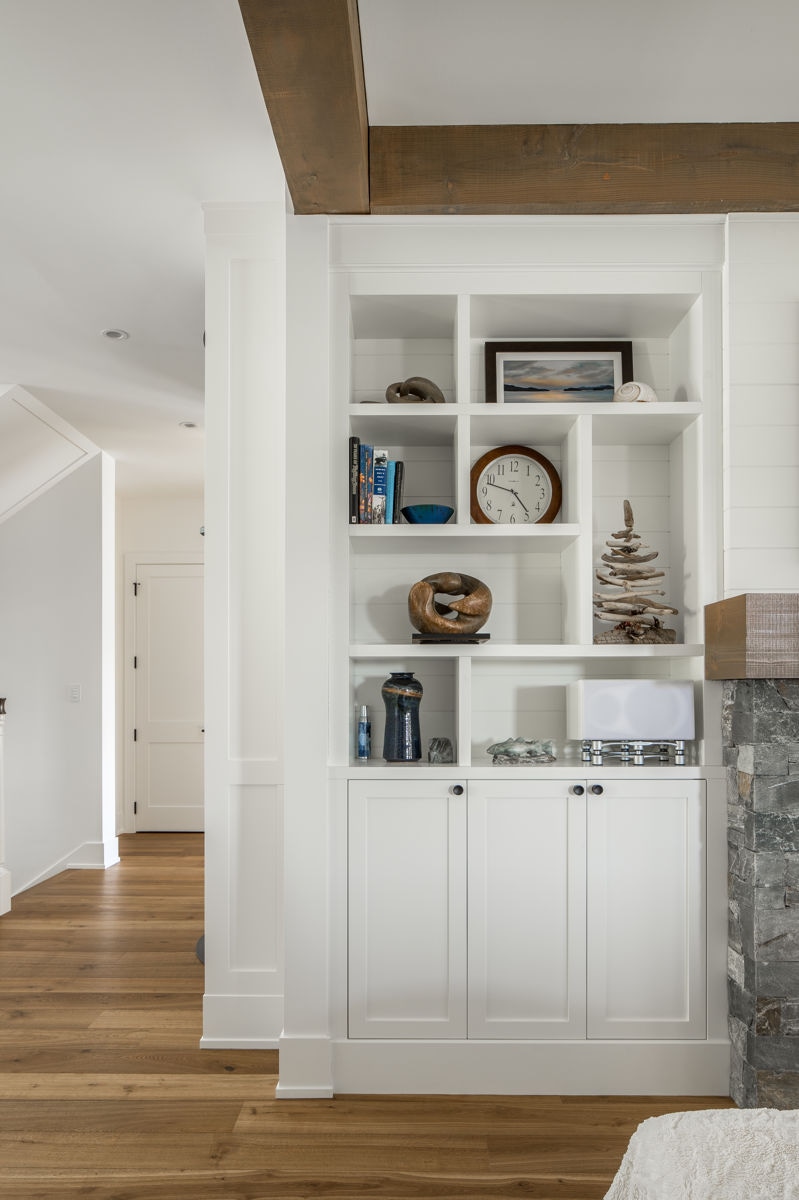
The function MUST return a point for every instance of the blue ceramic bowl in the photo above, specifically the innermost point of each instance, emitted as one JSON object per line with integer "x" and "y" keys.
{"x": 427, "y": 514}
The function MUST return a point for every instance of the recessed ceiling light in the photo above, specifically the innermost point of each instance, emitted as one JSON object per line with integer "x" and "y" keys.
{"x": 116, "y": 335}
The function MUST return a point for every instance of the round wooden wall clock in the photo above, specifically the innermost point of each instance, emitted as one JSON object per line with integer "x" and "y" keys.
{"x": 514, "y": 485}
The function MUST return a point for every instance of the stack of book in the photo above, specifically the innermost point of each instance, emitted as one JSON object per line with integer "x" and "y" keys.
{"x": 375, "y": 485}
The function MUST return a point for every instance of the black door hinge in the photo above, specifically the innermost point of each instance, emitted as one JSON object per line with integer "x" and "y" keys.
{"x": 135, "y": 661}
{"x": 135, "y": 735}
{"x": 136, "y": 587}
{"x": 135, "y": 807}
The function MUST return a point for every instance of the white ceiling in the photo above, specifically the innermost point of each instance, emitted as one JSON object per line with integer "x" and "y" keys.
{"x": 120, "y": 118}
{"x": 499, "y": 62}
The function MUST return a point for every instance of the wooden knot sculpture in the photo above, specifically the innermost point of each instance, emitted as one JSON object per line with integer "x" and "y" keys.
{"x": 466, "y": 615}
{"x": 416, "y": 390}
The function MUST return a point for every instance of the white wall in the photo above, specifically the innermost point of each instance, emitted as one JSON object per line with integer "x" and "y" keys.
{"x": 56, "y": 620}
{"x": 761, "y": 518}
{"x": 150, "y": 528}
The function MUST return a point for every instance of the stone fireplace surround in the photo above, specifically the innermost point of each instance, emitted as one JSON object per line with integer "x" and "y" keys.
{"x": 760, "y": 724}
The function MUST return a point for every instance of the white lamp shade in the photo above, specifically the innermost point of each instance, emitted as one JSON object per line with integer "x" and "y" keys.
{"x": 630, "y": 710}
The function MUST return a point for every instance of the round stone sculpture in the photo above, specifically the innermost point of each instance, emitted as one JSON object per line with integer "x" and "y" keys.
{"x": 464, "y": 615}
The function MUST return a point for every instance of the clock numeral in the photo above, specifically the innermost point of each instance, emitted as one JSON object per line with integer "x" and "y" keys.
{"x": 500, "y": 468}
{"x": 514, "y": 465}
{"x": 513, "y": 518}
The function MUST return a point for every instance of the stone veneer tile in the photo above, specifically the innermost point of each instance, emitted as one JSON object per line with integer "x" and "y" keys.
{"x": 775, "y": 794}
{"x": 775, "y": 1089}
{"x": 760, "y": 726}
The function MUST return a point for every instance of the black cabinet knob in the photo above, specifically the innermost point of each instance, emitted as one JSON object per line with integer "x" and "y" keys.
{"x": 457, "y": 789}
{"x": 597, "y": 789}
{"x": 578, "y": 789}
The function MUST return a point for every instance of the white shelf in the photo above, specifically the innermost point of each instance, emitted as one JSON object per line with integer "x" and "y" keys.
{"x": 548, "y": 539}
{"x": 515, "y": 651}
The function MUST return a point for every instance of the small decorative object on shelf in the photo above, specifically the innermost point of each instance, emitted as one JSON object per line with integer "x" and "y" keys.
{"x": 364, "y": 735}
{"x": 633, "y": 754}
{"x": 631, "y": 601}
{"x": 416, "y": 390}
{"x": 514, "y": 485}
{"x": 635, "y": 393}
{"x": 427, "y": 514}
{"x": 402, "y": 695}
{"x": 457, "y": 618}
{"x": 522, "y": 752}
{"x": 440, "y": 750}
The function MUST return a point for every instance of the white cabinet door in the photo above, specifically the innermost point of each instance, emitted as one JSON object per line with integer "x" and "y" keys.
{"x": 646, "y": 909}
{"x": 407, "y": 910}
{"x": 526, "y": 910}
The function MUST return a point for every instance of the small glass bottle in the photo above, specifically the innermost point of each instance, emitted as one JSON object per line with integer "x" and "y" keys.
{"x": 364, "y": 747}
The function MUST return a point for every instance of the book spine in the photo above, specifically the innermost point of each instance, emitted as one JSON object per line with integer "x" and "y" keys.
{"x": 365, "y": 484}
{"x": 399, "y": 480}
{"x": 355, "y": 471}
{"x": 379, "y": 487}
{"x": 392, "y": 471}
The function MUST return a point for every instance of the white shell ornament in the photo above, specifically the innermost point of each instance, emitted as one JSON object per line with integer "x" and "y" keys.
{"x": 635, "y": 393}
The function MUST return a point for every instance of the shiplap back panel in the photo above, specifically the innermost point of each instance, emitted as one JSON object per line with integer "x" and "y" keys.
{"x": 761, "y": 537}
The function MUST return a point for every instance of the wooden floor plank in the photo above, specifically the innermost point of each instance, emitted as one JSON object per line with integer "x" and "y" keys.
{"x": 106, "y": 1094}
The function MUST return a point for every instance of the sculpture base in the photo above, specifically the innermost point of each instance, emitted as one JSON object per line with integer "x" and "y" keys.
{"x": 464, "y": 639}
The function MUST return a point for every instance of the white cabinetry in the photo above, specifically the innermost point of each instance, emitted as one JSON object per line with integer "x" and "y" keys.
{"x": 526, "y": 910}
{"x": 581, "y": 912}
{"x": 407, "y": 910}
{"x": 646, "y": 910}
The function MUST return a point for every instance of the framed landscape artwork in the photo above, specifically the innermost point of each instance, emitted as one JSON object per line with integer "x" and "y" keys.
{"x": 556, "y": 372}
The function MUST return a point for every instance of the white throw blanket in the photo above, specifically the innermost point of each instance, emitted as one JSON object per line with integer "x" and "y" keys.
{"x": 713, "y": 1154}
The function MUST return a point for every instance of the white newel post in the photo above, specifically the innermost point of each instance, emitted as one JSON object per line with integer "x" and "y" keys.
{"x": 5, "y": 874}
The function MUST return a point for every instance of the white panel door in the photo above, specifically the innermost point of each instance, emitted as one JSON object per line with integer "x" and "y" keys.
{"x": 407, "y": 910}
{"x": 526, "y": 910}
{"x": 646, "y": 909}
{"x": 169, "y": 697}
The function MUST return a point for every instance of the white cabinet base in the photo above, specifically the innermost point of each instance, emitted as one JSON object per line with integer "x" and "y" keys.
{"x": 532, "y": 1068}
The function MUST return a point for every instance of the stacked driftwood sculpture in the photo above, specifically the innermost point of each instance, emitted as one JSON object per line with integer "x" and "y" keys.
{"x": 629, "y": 597}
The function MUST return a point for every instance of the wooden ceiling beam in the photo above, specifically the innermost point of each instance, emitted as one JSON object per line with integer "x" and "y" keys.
{"x": 308, "y": 57}
{"x": 679, "y": 168}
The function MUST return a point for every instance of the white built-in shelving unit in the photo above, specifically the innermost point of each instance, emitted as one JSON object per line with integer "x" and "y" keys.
{"x": 541, "y": 928}
{"x": 541, "y": 577}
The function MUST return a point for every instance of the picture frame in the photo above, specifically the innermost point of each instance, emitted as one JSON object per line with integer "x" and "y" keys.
{"x": 546, "y": 372}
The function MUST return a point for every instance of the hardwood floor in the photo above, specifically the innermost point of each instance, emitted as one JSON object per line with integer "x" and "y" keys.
{"x": 105, "y": 1094}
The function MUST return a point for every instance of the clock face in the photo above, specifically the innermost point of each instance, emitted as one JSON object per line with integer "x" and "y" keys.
{"x": 514, "y": 485}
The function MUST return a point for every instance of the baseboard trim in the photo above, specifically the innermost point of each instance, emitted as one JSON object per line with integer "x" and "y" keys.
{"x": 90, "y": 856}
{"x": 305, "y": 1068}
{"x": 532, "y": 1068}
{"x": 233, "y": 1022}
{"x": 5, "y": 890}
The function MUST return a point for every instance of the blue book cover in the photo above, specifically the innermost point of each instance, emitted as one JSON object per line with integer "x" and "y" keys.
{"x": 392, "y": 471}
{"x": 380, "y": 483}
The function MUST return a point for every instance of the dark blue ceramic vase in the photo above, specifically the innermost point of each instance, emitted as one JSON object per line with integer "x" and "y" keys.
{"x": 402, "y": 740}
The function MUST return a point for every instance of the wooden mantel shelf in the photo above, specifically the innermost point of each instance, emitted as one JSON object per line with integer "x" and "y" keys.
{"x": 753, "y": 636}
